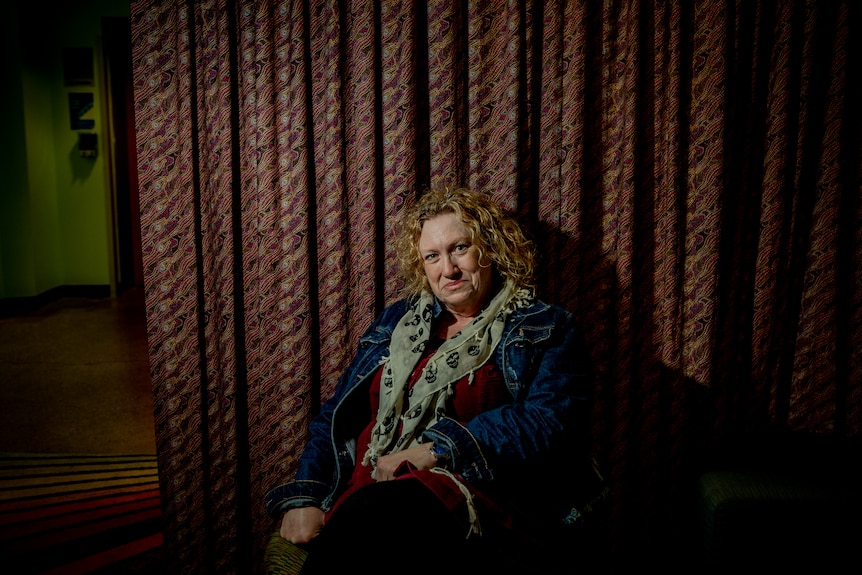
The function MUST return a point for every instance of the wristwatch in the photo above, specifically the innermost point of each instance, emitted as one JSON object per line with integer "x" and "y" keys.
{"x": 440, "y": 455}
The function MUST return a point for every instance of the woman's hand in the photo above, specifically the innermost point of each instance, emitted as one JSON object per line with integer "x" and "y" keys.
{"x": 419, "y": 455}
{"x": 301, "y": 524}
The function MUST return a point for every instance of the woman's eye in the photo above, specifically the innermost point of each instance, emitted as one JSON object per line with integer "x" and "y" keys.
{"x": 461, "y": 248}
{"x": 430, "y": 257}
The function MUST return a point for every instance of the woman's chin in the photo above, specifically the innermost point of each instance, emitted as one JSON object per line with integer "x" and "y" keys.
{"x": 462, "y": 306}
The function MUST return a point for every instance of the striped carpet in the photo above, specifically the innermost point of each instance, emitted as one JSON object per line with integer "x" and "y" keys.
{"x": 71, "y": 514}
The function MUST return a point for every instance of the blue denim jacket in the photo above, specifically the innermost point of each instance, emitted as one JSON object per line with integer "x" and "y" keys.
{"x": 533, "y": 450}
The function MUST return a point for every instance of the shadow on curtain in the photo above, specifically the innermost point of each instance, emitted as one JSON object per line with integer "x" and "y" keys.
{"x": 690, "y": 172}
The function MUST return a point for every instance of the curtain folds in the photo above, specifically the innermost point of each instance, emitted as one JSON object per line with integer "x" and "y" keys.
{"x": 690, "y": 172}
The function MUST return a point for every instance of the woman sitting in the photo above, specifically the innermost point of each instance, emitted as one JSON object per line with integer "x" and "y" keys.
{"x": 457, "y": 437}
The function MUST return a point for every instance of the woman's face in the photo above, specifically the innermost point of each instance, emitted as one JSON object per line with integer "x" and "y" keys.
{"x": 452, "y": 265}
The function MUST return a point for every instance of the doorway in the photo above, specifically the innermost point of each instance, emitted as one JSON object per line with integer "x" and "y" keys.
{"x": 127, "y": 249}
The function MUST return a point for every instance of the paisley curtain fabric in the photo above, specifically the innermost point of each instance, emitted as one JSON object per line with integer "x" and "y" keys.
{"x": 690, "y": 172}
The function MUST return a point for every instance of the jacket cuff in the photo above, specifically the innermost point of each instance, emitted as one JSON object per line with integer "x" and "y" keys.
{"x": 468, "y": 459}
{"x": 295, "y": 494}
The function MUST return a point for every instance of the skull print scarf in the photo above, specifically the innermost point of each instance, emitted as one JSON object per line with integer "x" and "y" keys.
{"x": 457, "y": 357}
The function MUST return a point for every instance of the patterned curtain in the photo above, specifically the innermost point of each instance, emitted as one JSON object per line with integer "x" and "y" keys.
{"x": 690, "y": 171}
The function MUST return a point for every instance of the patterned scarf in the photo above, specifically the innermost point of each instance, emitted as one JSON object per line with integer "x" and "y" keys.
{"x": 457, "y": 357}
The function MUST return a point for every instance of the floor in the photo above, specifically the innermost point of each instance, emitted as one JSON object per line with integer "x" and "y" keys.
{"x": 74, "y": 378}
{"x": 77, "y": 439}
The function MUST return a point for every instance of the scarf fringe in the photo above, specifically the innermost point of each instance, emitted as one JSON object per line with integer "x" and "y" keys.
{"x": 472, "y": 514}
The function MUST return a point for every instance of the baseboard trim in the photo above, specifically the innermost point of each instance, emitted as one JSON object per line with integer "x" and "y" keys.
{"x": 12, "y": 306}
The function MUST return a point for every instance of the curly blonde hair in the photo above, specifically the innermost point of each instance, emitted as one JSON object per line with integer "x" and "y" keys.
{"x": 496, "y": 233}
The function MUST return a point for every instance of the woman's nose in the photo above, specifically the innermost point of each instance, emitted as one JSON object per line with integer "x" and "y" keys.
{"x": 450, "y": 268}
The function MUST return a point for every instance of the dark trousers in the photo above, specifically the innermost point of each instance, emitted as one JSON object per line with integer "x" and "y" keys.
{"x": 400, "y": 526}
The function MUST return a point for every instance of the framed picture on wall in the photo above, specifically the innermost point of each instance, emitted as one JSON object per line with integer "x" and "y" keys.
{"x": 78, "y": 66}
{"x": 81, "y": 114}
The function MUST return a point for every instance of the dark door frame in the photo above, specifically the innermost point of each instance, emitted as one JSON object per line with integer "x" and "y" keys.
{"x": 127, "y": 249}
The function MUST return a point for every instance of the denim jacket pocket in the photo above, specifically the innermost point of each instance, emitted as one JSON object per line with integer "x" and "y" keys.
{"x": 519, "y": 356}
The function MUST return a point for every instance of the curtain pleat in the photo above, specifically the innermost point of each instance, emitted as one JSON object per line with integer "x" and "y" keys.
{"x": 690, "y": 173}
{"x": 276, "y": 289}
{"x": 401, "y": 137}
{"x": 363, "y": 268}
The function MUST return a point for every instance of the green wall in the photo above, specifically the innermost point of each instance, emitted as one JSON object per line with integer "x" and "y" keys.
{"x": 55, "y": 206}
